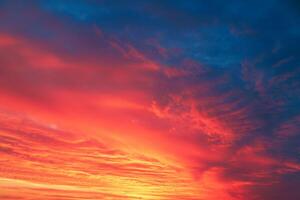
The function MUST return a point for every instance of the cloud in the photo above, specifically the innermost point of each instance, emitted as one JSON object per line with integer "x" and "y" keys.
{"x": 194, "y": 104}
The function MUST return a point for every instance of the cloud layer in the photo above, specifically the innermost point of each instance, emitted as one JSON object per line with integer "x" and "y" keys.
{"x": 149, "y": 100}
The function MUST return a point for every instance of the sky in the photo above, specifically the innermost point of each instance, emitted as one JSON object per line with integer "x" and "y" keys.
{"x": 149, "y": 100}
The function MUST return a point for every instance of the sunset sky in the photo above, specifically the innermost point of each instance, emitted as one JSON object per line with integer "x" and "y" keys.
{"x": 149, "y": 100}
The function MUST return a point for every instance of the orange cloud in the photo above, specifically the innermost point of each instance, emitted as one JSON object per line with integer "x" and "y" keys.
{"x": 115, "y": 124}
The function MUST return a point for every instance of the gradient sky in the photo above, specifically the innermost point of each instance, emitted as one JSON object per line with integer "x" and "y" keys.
{"x": 153, "y": 100}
